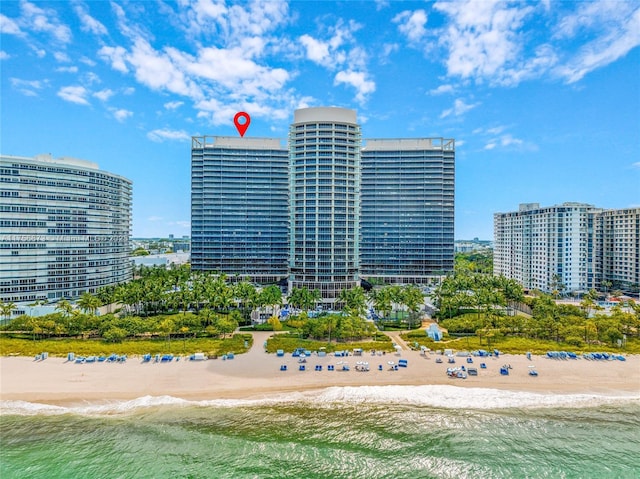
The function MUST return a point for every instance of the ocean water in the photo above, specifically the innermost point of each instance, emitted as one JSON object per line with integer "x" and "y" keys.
{"x": 363, "y": 432}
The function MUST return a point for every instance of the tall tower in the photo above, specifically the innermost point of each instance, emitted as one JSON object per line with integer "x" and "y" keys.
{"x": 407, "y": 209}
{"x": 239, "y": 207}
{"x": 324, "y": 200}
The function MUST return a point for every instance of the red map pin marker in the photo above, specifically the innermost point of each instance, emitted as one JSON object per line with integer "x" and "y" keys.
{"x": 242, "y": 127}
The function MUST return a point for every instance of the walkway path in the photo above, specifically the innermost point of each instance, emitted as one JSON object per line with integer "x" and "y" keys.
{"x": 395, "y": 337}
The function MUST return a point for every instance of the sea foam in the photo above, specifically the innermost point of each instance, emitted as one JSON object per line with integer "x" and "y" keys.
{"x": 447, "y": 397}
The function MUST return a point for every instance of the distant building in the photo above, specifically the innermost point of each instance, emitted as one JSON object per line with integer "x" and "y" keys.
{"x": 65, "y": 228}
{"x": 474, "y": 245}
{"x": 571, "y": 247}
{"x": 239, "y": 207}
{"x": 161, "y": 260}
{"x": 407, "y": 214}
{"x": 618, "y": 252}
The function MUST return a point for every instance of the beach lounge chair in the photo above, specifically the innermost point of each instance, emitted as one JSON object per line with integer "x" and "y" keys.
{"x": 379, "y": 367}
{"x": 483, "y": 366}
{"x": 283, "y": 367}
{"x": 472, "y": 372}
{"x": 331, "y": 367}
{"x": 504, "y": 371}
{"x": 302, "y": 367}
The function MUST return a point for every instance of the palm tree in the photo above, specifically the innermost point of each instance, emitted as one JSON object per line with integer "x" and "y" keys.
{"x": 381, "y": 301}
{"x": 6, "y": 309}
{"x": 65, "y": 307}
{"x": 89, "y": 303}
{"x": 271, "y": 296}
{"x": 354, "y": 301}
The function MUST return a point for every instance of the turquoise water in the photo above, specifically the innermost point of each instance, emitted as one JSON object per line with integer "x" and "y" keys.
{"x": 392, "y": 432}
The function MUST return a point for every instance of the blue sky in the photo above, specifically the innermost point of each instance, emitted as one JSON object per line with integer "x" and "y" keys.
{"x": 543, "y": 98}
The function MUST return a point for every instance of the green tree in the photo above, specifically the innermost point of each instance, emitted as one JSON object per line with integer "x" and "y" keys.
{"x": 88, "y": 303}
{"x": 354, "y": 301}
{"x": 271, "y": 297}
{"x": 167, "y": 326}
{"x": 6, "y": 309}
{"x": 65, "y": 307}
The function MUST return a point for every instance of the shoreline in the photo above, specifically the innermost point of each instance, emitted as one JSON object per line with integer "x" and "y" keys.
{"x": 256, "y": 375}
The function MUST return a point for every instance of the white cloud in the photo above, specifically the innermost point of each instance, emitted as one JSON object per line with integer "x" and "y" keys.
{"x": 4, "y": 55}
{"x": 482, "y": 38}
{"x": 8, "y": 26}
{"x": 334, "y": 51}
{"x": 88, "y": 23}
{"x": 459, "y": 108}
{"x": 116, "y": 56}
{"x": 44, "y": 20}
{"x": 62, "y": 57}
{"x": 67, "y": 69}
{"x": 317, "y": 51}
{"x": 157, "y": 70}
{"x": 155, "y": 218}
{"x": 163, "y": 134}
{"x": 359, "y": 81}
{"x": 612, "y": 39}
{"x": 104, "y": 95}
{"x": 74, "y": 94}
{"x": 27, "y": 87}
{"x": 129, "y": 91}
{"x": 636, "y": 165}
{"x": 172, "y": 105}
{"x": 88, "y": 61}
{"x": 508, "y": 141}
{"x": 412, "y": 24}
{"x": 184, "y": 223}
{"x": 121, "y": 114}
{"x": 442, "y": 89}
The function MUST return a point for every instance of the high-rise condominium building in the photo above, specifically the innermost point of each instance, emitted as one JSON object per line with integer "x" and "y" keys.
{"x": 568, "y": 247}
{"x": 324, "y": 207}
{"x": 407, "y": 218}
{"x": 267, "y": 212}
{"x": 239, "y": 201}
{"x": 65, "y": 228}
{"x": 618, "y": 252}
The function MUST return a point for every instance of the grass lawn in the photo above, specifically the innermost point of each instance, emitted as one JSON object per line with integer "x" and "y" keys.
{"x": 288, "y": 343}
{"x": 515, "y": 345}
{"x": 137, "y": 347}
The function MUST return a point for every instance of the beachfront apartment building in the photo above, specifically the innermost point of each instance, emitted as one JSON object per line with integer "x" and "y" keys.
{"x": 618, "y": 252}
{"x": 65, "y": 228}
{"x": 239, "y": 207}
{"x": 302, "y": 212}
{"x": 324, "y": 206}
{"x": 570, "y": 247}
{"x": 407, "y": 218}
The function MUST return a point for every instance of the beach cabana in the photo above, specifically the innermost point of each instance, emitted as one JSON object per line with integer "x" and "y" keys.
{"x": 434, "y": 332}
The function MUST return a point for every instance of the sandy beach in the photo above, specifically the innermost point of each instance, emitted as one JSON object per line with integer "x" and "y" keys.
{"x": 257, "y": 375}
